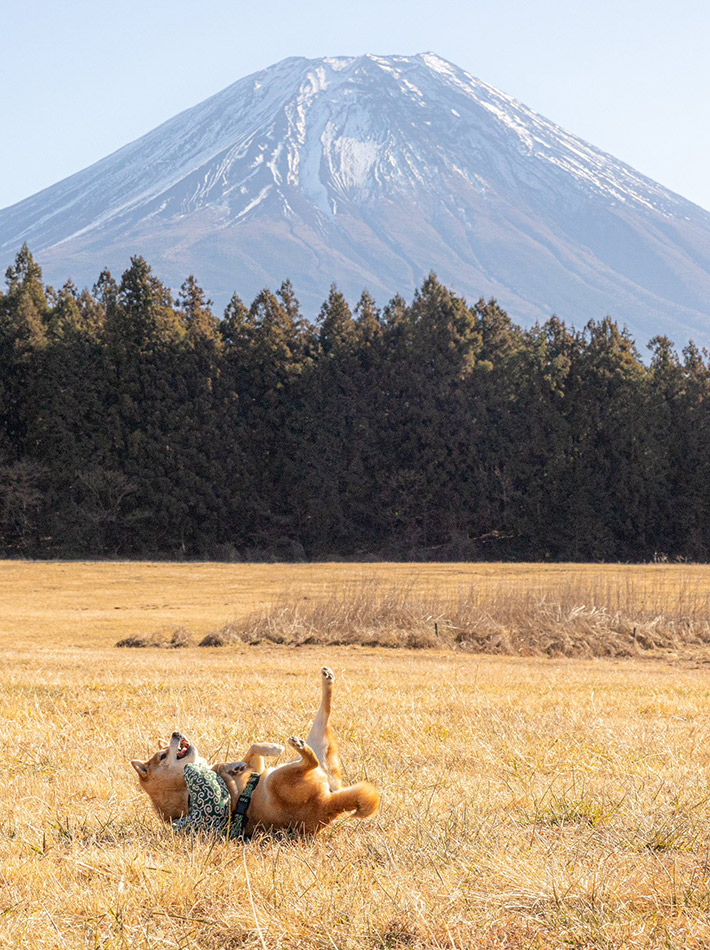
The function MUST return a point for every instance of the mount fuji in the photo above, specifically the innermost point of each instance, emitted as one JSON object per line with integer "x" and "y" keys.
{"x": 369, "y": 172}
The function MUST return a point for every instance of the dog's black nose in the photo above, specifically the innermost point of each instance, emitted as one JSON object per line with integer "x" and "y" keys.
{"x": 177, "y": 735}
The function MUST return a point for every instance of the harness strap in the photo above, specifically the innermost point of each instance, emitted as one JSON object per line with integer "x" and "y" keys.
{"x": 238, "y": 821}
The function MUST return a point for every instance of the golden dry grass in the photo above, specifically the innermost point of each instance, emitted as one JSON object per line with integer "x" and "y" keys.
{"x": 583, "y": 616}
{"x": 92, "y": 604}
{"x": 527, "y": 802}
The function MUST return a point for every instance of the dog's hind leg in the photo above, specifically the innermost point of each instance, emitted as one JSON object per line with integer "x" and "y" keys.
{"x": 321, "y": 738}
{"x": 254, "y": 758}
{"x": 309, "y": 760}
{"x": 235, "y": 775}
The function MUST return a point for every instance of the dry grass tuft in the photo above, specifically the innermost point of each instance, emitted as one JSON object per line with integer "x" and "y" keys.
{"x": 213, "y": 640}
{"x": 177, "y": 640}
{"x": 579, "y": 620}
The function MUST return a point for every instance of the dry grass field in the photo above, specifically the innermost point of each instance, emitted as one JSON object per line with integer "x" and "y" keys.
{"x": 87, "y": 604}
{"x": 528, "y": 801}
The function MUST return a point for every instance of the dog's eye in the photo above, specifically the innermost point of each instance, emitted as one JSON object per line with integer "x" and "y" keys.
{"x": 163, "y": 756}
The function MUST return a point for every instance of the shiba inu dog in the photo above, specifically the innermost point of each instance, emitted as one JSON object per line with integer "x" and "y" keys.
{"x": 305, "y": 795}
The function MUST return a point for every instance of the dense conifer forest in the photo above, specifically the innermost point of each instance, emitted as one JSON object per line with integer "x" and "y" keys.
{"x": 135, "y": 425}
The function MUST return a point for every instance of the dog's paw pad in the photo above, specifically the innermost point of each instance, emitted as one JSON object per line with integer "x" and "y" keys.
{"x": 234, "y": 768}
{"x": 296, "y": 743}
{"x": 327, "y": 674}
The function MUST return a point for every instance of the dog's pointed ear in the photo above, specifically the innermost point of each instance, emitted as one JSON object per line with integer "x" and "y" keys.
{"x": 140, "y": 767}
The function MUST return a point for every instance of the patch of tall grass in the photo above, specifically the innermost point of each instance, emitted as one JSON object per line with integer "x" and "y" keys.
{"x": 577, "y": 618}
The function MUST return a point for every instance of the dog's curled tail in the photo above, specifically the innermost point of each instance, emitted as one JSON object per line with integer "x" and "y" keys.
{"x": 363, "y": 799}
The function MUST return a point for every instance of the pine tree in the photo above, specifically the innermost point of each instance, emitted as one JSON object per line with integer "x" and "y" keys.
{"x": 236, "y": 327}
{"x": 24, "y": 305}
{"x": 605, "y": 402}
{"x": 144, "y": 315}
{"x": 336, "y": 327}
{"x": 199, "y": 321}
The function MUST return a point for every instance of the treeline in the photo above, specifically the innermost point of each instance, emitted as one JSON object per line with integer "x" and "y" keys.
{"x": 132, "y": 424}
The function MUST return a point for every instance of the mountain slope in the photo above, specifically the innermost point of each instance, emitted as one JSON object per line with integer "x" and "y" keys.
{"x": 371, "y": 171}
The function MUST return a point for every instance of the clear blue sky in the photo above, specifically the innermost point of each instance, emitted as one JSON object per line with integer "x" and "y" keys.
{"x": 80, "y": 79}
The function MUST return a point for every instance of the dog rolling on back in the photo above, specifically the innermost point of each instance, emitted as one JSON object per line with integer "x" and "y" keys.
{"x": 305, "y": 795}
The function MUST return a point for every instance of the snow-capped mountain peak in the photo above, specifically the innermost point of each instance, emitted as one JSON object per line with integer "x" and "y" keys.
{"x": 371, "y": 171}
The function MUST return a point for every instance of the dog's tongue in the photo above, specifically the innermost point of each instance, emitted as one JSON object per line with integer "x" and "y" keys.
{"x": 183, "y": 749}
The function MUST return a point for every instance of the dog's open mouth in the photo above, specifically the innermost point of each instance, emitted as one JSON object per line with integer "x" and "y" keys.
{"x": 183, "y": 748}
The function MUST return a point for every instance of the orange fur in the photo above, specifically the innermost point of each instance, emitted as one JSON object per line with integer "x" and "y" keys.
{"x": 305, "y": 794}
{"x": 297, "y": 795}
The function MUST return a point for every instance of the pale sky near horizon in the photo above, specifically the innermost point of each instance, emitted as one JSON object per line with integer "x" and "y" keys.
{"x": 81, "y": 79}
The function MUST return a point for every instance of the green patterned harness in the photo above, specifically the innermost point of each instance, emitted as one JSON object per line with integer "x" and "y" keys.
{"x": 209, "y": 804}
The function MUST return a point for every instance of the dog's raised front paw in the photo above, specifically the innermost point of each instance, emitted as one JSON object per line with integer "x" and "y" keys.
{"x": 296, "y": 743}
